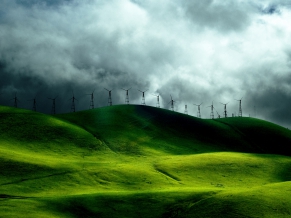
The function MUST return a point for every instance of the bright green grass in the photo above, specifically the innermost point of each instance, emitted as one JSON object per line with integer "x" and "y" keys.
{"x": 136, "y": 161}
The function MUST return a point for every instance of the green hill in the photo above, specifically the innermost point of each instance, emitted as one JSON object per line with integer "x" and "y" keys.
{"x": 132, "y": 128}
{"x": 140, "y": 161}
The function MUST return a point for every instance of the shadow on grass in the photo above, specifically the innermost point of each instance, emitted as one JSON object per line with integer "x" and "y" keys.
{"x": 128, "y": 205}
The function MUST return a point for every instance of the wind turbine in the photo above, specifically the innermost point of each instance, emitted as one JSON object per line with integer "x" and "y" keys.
{"x": 109, "y": 97}
{"x": 158, "y": 100}
{"x": 172, "y": 103}
{"x": 73, "y": 106}
{"x": 225, "y": 112}
{"x": 126, "y": 97}
{"x": 34, "y": 103}
{"x": 211, "y": 113}
{"x": 15, "y": 100}
{"x": 92, "y": 100}
{"x": 198, "y": 112}
{"x": 186, "y": 109}
{"x": 53, "y": 110}
{"x": 143, "y": 99}
{"x": 240, "y": 110}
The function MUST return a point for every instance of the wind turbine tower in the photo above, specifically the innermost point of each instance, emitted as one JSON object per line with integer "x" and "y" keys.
{"x": 34, "y": 104}
{"x": 172, "y": 103}
{"x": 92, "y": 100}
{"x": 186, "y": 110}
{"x": 15, "y": 101}
{"x": 109, "y": 97}
{"x": 53, "y": 110}
{"x": 126, "y": 96}
{"x": 211, "y": 113}
{"x": 158, "y": 100}
{"x": 240, "y": 110}
{"x": 73, "y": 106}
{"x": 143, "y": 99}
{"x": 225, "y": 111}
{"x": 198, "y": 112}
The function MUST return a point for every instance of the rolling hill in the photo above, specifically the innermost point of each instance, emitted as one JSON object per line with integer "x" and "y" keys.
{"x": 140, "y": 161}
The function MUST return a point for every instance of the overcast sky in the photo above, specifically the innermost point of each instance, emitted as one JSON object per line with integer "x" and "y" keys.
{"x": 197, "y": 51}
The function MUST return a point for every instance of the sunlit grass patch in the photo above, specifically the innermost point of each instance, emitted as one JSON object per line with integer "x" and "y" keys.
{"x": 137, "y": 161}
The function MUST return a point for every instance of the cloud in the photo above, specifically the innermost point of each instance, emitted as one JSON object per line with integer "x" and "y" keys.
{"x": 198, "y": 51}
{"x": 220, "y": 15}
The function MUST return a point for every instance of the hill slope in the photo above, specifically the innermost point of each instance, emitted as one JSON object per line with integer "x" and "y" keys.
{"x": 138, "y": 128}
{"x": 137, "y": 161}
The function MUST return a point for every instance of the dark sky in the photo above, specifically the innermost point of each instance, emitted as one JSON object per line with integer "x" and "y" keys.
{"x": 196, "y": 51}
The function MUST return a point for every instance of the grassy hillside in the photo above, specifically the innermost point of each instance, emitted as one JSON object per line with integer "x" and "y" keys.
{"x": 141, "y": 129}
{"x": 139, "y": 161}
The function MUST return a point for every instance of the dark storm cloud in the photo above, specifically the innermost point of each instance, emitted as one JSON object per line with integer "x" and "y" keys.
{"x": 198, "y": 51}
{"x": 29, "y": 3}
{"x": 270, "y": 9}
{"x": 221, "y": 15}
{"x": 40, "y": 51}
{"x": 27, "y": 87}
{"x": 272, "y": 103}
{"x": 269, "y": 93}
